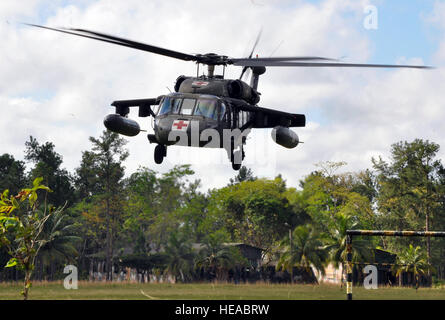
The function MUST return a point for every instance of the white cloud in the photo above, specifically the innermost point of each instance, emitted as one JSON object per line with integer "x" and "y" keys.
{"x": 58, "y": 88}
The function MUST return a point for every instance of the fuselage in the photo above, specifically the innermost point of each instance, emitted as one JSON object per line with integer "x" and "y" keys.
{"x": 190, "y": 119}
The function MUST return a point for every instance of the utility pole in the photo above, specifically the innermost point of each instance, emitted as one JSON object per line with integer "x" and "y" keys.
{"x": 292, "y": 270}
{"x": 427, "y": 222}
{"x": 290, "y": 248}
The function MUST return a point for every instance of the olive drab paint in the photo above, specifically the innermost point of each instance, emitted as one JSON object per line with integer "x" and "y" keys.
{"x": 234, "y": 102}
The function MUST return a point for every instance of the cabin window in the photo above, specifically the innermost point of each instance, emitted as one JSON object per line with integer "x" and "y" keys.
{"x": 243, "y": 118}
{"x": 166, "y": 106}
{"x": 234, "y": 119}
{"x": 240, "y": 119}
{"x": 246, "y": 116}
{"x": 205, "y": 108}
{"x": 187, "y": 106}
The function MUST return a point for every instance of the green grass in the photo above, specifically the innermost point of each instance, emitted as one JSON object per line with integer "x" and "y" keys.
{"x": 208, "y": 291}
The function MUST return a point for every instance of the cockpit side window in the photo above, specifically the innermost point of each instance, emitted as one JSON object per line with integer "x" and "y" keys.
{"x": 166, "y": 106}
{"x": 222, "y": 111}
{"x": 206, "y": 108}
{"x": 187, "y": 106}
{"x": 176, "y": 104}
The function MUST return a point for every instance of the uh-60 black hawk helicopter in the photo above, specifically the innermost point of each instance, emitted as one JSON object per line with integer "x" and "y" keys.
{"x": 208, "y": 110}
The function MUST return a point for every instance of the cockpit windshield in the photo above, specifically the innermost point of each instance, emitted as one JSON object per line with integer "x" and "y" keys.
{"x": 206, "y": 108}
{"x": 166, "y": 106}
{"x": 187, "y": 106}
{"x": 170, "y": 105}
{"x": 176, "y": 104}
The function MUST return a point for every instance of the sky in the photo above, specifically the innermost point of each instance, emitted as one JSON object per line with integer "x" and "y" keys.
{"x": 58, "y": 88}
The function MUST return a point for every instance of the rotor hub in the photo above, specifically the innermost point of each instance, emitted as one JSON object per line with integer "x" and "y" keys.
{"x": 211, "y": 59}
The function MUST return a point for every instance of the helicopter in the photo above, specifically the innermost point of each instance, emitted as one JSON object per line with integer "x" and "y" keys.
{"x": 209, "y": 111}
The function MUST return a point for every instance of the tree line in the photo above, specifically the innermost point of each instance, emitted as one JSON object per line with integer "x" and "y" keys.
{"x": 153, "y": 221}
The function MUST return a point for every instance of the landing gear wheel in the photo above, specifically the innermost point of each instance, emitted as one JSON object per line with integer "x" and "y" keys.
{"x": 237, "y": 158}
{"x": 160, "y": 153}
{"x": 236, "y": 166}
{"x": 236, "y": 154}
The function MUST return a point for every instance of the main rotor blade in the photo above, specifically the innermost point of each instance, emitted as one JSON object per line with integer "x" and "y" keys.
{"x": 242, "y": 61}
{"x": 256, "y": 42}
{"x": 122, "y": 42}
{"x": 247, "y": 62}
{"x": 251, "y": 53}
{"x": 254, "y": 63}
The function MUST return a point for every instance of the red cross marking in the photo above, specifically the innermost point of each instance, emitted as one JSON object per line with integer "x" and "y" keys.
{"x": 200, "y": 83}
{"x": 180, "y": 124}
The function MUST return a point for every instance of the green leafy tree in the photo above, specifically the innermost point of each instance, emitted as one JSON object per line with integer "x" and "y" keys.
{"x": 254, "y": 212}
{"x": 335, "y": 242}
{"x": 338, "y": 202}
{"x": 304, "y": 250}
{"x": 217, "y": 257}
{"x": 410, "y": 190}
{"x": 87, "y": 180}
{"x": 180, "y": 256}
{"x": 102, "y": 172}
{"x": 412, "y": 260}
{"x": 21, "y": 226}
{"x": 48, "y": 165}
{"x": 328, "y": 194}
{"x": 193, "y": 215}
{"x": 159, "y": 204}
{"x": 60, "y": 241}
{"x": 12, "y": 173}
{"x": 244, "y": 174}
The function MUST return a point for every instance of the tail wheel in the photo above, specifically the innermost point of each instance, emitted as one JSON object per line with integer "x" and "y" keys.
{"x": 160, "y": 153}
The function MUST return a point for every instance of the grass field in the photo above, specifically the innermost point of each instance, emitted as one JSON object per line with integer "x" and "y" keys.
{"x": 208, "y": 291}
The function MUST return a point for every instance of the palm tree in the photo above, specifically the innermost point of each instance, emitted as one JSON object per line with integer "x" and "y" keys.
{"x": 335, "y": 240}
{"x": 411, "y": 260}
{"x": 305, "y": 250}
{"x": 60, "y": 243}
{"x": 180, "y": 256}
{"x": 218, "y": 258}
